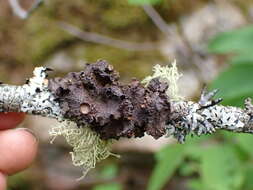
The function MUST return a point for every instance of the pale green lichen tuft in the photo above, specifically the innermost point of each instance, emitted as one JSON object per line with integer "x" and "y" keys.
{"x": 88, "y": 147}
{"x": 170, "y": 75}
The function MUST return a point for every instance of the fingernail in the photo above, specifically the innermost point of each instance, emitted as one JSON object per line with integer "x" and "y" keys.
{"x": 28, "y": 130}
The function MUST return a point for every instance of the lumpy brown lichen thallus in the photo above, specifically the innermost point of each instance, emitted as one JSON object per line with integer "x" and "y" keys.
{"x": 96, "y": 97}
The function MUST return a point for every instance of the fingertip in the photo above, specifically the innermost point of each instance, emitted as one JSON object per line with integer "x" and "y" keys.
{"x": 18, "y": 149}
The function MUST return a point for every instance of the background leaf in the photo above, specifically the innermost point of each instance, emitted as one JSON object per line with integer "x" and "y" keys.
{"x": 168, "y": 160}
{"x": 220, "y": 168}
{"x": 109, "y": 172}
{"x": 196, "y": 184}
{"x": 235, "y": 84}
{"x": 235, "y": 41}
{"x": 245, "y": 141}
{"x": 112, "y": 186}
{"x": 248, "y": 184}
{"x": 243, "y": 58}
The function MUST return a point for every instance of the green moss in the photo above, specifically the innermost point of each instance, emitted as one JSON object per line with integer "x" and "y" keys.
{"x": 122, "y": 15}
{"x": 43, "y": 38}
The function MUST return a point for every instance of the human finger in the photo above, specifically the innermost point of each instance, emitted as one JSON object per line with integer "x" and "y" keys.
{"x": 2, "y": 181}
{"x": 18, "y": 149}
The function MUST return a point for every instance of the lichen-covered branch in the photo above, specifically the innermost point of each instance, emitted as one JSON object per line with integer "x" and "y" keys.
{"x": 34, "y": 97}
{"x": 95, "y": 107}
{"x": 95, "y": 97}
{"x": 193, "y": 118}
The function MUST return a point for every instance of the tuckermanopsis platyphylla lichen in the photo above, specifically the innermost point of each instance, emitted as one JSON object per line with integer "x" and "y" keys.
{"x": 94, "y": 108}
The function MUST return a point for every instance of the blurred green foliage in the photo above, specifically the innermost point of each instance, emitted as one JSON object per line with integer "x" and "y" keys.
{"x": 222, "y": 161}
{"x": 236, "y": 41}
{"x": 112, "y": 186}
{"x": 168, "y": 160}
{"x": 108, "y": 172}
{"x": 235, "y": 83}
{"x": 141, "y": 2}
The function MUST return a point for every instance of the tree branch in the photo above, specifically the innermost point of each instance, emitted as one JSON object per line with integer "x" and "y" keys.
{"x": 93, "y": 107}
{"x": 33, "y": 97}
{"x": 193, "y": 118}
{"x": 113, "y": 110}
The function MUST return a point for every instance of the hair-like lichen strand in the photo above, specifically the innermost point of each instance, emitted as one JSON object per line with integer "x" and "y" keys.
{"x": 170, "y": 75}
{"x": 88, "y": 147}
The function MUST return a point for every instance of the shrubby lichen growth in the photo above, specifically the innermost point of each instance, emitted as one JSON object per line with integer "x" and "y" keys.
{"x": 168, "y": 74}
{"x": 88, "y": 147}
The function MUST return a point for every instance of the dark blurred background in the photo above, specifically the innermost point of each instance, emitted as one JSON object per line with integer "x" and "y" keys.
{"x": 212, "y": 41}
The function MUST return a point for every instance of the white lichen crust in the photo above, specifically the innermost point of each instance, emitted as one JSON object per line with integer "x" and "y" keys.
{"x": 33, "y": 97}
{"x": 191, "y": 118}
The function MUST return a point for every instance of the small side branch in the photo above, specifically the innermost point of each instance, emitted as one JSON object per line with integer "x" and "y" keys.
{"x": 157, "y": 19}
{"x": 22, "y": 13}
{"x": 105, "y": 40}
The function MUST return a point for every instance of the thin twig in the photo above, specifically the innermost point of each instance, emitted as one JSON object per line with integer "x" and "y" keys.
{"x": 22, "y": 13}
{"x": 157, "y": 19}
{"x": 105, "y": 40}
{"x": 175, "y": 33}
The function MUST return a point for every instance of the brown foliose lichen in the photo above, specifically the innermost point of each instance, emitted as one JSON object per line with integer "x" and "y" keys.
{"x": 96, "y": 97}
